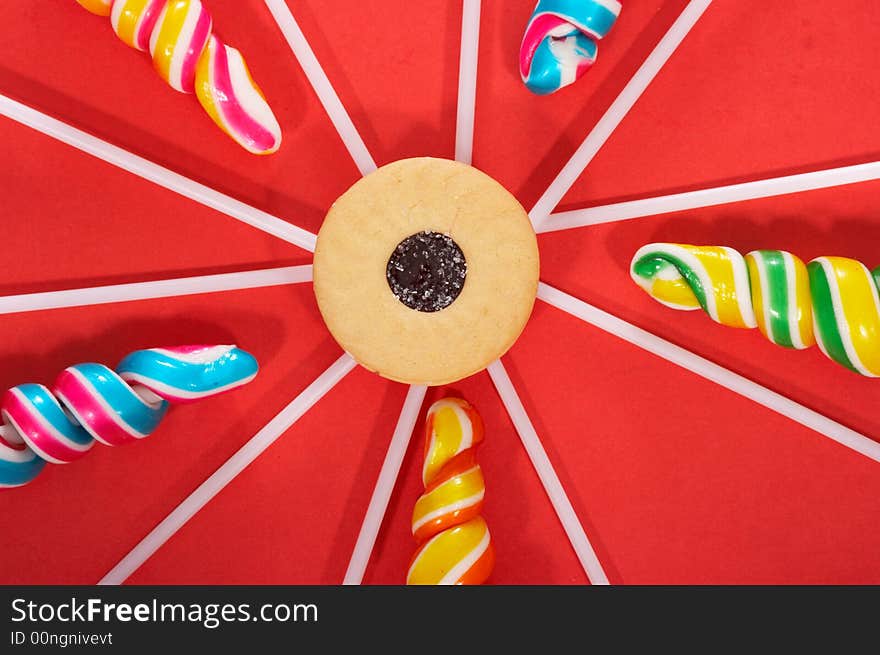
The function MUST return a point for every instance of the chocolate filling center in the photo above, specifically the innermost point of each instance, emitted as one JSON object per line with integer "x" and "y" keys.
{"x": 426, "y": 271}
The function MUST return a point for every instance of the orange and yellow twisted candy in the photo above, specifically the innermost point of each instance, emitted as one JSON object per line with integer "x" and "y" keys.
{"x": 833, "y": 301}
{"x": 178, "y": 35}
{"x": 455, "y": 544}
{"x": 99, "y": 7}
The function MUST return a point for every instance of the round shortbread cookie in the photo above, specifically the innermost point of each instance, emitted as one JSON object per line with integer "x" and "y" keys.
{"x": 351, "y": 270}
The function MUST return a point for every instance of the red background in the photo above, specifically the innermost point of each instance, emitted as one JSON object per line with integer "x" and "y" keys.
{"x": 676, "y": 480}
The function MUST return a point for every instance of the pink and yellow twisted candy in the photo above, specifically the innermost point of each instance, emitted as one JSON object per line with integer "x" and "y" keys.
{"x": 455, "y": 544}
{"x": 833, "y": 302}
{"x": 178, "y": 35}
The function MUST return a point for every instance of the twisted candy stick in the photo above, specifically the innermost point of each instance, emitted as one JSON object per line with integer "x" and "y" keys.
{"x": 91, "y": 402}
{"x": 191, "y": 59}
{"x": 233, "y": 100}
{"x": 455, "y": 544}
{"x": 559, "y": 44}
{"x": 178, "y": 38}
{"x": 833, "y": 301}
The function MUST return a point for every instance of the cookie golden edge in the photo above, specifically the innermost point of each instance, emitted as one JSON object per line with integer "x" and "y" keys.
{"x": 387, "y": 192}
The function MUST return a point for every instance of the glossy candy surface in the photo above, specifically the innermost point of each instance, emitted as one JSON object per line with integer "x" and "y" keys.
{"x": 178, "y": 35}
{"x": 456, "y": 547}
{"x": 18, "y": 463}
{"x": 833, "y": 302}
{"x": 177, "y": 41}
{"x": 99, "y": 7}
{"x": 134, "y": 20}
{"x": 559, "y": 44}
{"x": 92, "y": 402}
{"x": 233, "y": 100}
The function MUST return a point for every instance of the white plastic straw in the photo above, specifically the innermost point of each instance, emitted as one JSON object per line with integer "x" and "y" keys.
{"x": 226, "y": 473}
{"x": 718, "y": 374}
{"x": 618, "y": 109}
{"x": 157, "y": 174}
{"x": 184, "y": 286}
{"x": 776, "y": 186}
{"x": 558, "y": 498}
{"x": 467, "y": 81}
{"x": 366, "y": 540}
{"x": 321, "y": 84}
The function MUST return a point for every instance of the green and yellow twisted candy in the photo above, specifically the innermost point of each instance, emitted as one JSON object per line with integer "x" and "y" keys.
{"x": 833, "y": 301}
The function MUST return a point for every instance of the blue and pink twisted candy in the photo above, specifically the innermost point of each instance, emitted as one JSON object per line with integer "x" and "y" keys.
{"x": 91, "y": 402}
{"x": 559, "y": 45}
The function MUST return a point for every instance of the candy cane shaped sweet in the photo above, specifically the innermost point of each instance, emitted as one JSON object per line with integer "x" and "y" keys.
{"x": 456, "y": 547}
{"x": 91, "y": 402}
{"x": 560, "y": 41}
{"x": 833, "y": 301}
{"x": 191, "y": 59}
